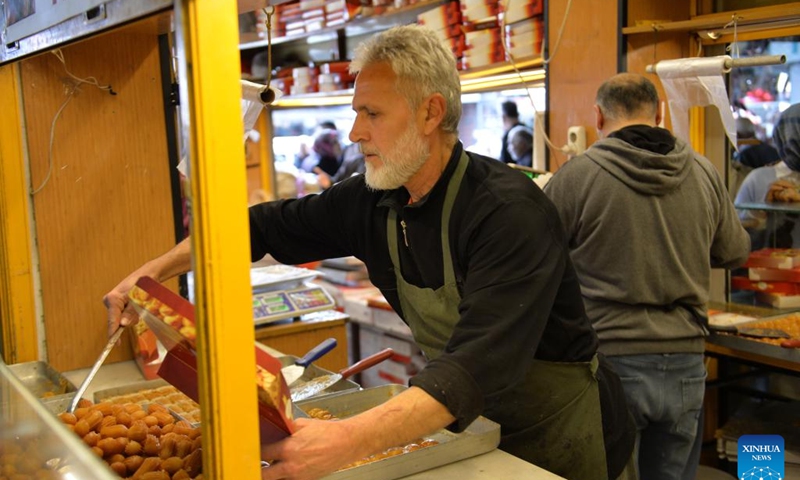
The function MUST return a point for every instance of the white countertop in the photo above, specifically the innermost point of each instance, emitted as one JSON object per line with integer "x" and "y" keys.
{"x": 489, "y": 466}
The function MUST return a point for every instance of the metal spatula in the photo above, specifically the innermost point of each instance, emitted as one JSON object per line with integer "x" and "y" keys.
{"x": 295, "y": 371}
{"x": 97, "y": 364}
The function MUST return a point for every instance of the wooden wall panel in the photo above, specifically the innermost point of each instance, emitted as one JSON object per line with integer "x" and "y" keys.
{"x": 586, "y": 56}
{"x": 648, "y": 48}
{"x": 106, "y": 208}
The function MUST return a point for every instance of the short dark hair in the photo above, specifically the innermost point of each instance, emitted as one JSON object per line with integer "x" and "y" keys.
{"x": 627, "y": 95}
{"x": 510, "y": 109}
{"x": 328, "y": 124}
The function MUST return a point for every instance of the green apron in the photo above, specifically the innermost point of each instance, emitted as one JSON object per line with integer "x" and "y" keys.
{"x": 552, "y": 418}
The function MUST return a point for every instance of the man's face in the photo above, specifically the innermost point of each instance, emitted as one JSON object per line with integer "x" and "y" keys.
{"x": 386, "y": 130}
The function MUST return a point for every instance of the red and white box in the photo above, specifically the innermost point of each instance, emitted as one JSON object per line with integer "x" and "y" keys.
{"x": 441, "y": 17}
{"x": 785, "y": 288}
{"x": 476, "y": 11}
{"x": 172, "y": 320}
{"x": 523, "y": 9}
{"x": 774, "y": 274}
{"x": 785, "y": 258}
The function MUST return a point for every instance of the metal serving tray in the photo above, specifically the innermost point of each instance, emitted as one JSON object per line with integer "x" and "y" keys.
{"x": 41, "y": 379}
{"x": 312, "y": 371}
{"x": 480, "y": 437}
{"x": 105, "y": 394}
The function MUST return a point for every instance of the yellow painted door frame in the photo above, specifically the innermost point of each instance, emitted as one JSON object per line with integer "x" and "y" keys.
{"x": 17, "y": 304}
{"x": 220, "y": 241}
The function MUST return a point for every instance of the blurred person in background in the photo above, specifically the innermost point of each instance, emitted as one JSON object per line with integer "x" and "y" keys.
{"x": 510, "y": 120}
{"x": 779, "y": 182}
{"x": 325, "y": 153}
{"x": 520, "y": 145}
{"x": 352, "y": 164}
{"x": 752, "y": 153}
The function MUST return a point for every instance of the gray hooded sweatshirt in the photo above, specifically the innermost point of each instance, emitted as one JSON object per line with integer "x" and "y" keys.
{"x": 644, "y": 231}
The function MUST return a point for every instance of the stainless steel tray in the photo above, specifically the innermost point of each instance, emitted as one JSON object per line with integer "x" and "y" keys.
{"x": 480, "y": 437}
{"x": 312, "y": 371}
{"x": 41, "y": 379}
{"x": 107, "y": 393}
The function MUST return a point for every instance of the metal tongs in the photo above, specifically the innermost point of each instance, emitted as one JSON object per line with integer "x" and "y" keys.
{"x": 97, "y": 364}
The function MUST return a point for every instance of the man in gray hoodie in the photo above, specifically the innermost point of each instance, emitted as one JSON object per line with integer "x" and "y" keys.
{"x": 646, "y": 220}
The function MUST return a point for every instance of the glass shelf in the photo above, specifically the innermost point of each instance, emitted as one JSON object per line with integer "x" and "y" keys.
{"x": 772, "y": 207}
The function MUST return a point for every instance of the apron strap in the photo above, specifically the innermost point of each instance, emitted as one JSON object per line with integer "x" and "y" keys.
{"x": 450, "y": 197}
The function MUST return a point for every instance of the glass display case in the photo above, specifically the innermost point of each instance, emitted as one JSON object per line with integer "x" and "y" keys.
{"x": 35, "y": 444}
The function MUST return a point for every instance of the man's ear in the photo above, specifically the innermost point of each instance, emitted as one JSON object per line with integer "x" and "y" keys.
{"x": 434, "y": 110}
{"x": 599, "y": 120}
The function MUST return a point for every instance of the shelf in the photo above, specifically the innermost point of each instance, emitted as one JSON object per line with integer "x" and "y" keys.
{"x": 357, "y": 26}
{"x": 771, "y": 207}
{"x": 483, "y": 79}
{"x": 750, "y": 16}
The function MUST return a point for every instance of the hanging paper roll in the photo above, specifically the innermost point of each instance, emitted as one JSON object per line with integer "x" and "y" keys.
{"x": 696, "y": 82}
{"x": 254, "y": 97}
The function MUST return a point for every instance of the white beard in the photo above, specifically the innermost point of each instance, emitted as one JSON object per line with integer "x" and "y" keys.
{"x": 397, "y": 166}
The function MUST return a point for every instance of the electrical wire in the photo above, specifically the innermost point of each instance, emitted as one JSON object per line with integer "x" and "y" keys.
{"x": 70, "y": 94}
{"x": 504, "y": 40}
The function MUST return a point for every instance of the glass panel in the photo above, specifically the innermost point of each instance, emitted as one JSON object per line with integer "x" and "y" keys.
{"x": 295, "y": 129}
{"x": 731, "y": 5}
{"x": 35, "y": 444}
{"x": 759, "y": 95}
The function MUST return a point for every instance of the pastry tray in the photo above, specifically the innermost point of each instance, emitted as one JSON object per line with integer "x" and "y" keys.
{"x": 481, "y": 436}
{"x": 41, "y": 379}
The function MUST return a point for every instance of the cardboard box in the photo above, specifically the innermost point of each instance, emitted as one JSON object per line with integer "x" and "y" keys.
{"x": 171, "y": 318}
{"x": 785, "y": 258}
{"x": 785, "y": 288}
{"x": 475, "y": 11}
{"x": 521, "y": 10}
{"x": 774, "y": 274}
{"x": 441, "y": 17}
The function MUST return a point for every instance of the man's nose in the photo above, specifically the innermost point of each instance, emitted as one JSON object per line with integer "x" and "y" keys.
{"x": 357, "y": 133}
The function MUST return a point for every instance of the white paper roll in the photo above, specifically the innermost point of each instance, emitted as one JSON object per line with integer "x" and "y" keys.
{"x": 691, "y": 82}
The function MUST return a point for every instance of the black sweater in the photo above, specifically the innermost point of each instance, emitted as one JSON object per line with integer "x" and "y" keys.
{"x": 520, "y": 295}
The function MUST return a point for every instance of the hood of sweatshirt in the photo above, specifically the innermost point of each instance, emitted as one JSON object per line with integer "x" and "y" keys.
{"x": 647, "y": 172}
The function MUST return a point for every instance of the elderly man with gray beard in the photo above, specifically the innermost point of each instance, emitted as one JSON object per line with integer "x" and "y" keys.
{"x": 472, "y": 256}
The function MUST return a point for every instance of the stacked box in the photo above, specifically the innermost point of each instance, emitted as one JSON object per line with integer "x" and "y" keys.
{"x": 484, "y": 47}
{"x": 478, "y": 11}
{"x": 521, "y": 9}
{"x": 774, "y": 274}
{"x": 446, "y": 21}
{"x": 524, "y": 38}
{"x": 335, "y": 13}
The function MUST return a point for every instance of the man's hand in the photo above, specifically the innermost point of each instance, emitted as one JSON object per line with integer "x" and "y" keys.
{"x": 316, "y": 449}
{"x": 120, "y": 311}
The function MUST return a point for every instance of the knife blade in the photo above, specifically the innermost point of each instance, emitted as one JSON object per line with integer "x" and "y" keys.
{"x": 317, "y": 385}
{"x": 97, "y": 364}
{"x": 752, "y": 332}
{"x": 292, "y": 373}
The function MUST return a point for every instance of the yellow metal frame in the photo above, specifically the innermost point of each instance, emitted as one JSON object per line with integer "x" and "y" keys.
{"x": 17, "y": 305}
{"x": 266, "y": 160}
{"x": 697, "y": 129}
{"x": 220, "y": 242}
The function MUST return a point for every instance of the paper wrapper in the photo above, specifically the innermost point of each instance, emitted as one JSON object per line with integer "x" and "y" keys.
{"x": 690, "y": 82}
{"x": 171, "y": 318}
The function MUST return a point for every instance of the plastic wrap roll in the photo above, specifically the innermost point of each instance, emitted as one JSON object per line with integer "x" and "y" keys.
{"x": 691, "y": 82}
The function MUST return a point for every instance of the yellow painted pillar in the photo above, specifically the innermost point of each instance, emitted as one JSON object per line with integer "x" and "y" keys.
{"x": 17, "y": 306}
{"x": 697, "y": 129}
{"x": 220, "y": 242}
{"x": 267, "y": 160}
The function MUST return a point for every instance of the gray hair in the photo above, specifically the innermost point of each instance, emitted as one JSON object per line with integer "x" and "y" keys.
{"x": 422, "y": 63}
{"x": 626, "y": 96}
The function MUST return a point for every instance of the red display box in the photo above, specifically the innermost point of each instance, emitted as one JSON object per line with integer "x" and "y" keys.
{"x": 171, "y": 318}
